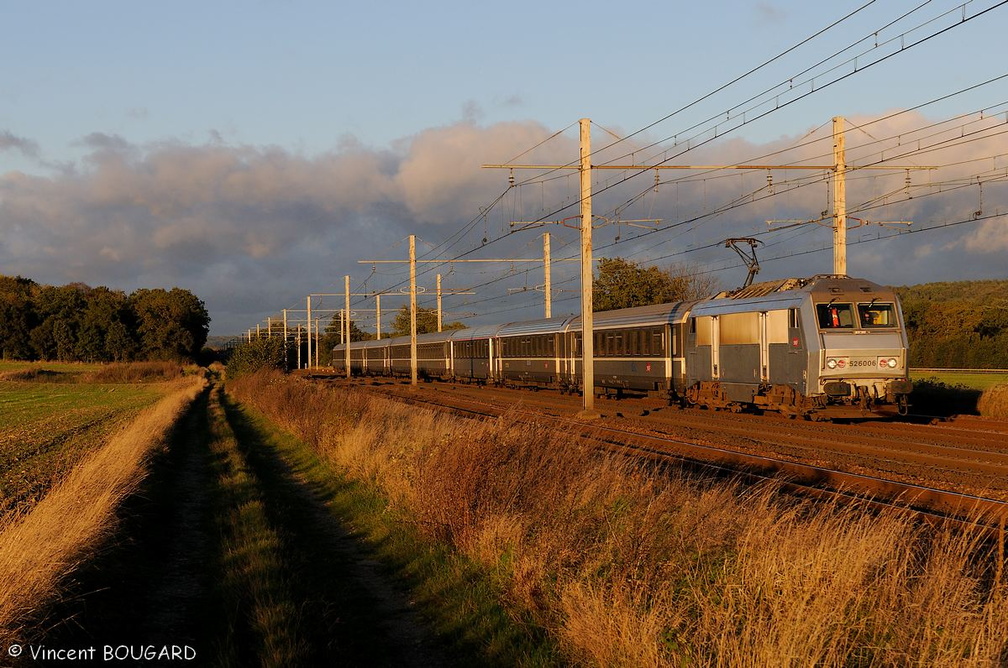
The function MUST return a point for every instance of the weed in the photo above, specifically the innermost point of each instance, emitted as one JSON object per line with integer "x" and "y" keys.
{"x": 624, "y": 566}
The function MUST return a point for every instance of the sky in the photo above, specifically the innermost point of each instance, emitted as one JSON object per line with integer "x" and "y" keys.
{"x": 257, "y": 152}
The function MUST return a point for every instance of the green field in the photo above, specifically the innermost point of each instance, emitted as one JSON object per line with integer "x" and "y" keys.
{"x": 49, "y": 422}
{"x": 952, "y": 377}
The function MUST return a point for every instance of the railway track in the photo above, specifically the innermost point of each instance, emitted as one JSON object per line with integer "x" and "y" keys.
{"x": 957, "y": 469}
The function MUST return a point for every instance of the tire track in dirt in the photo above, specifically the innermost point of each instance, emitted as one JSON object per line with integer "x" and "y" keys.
{"x": 350, "y": 609}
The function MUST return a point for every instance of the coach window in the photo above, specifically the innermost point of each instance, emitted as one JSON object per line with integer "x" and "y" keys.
{"x": 657, "y": 343}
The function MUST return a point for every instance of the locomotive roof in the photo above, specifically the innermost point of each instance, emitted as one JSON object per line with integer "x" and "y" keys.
{"x": 788, "y": 292}
{"x": 818, "y": 283}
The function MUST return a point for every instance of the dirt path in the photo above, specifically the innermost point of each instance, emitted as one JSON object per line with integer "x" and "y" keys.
{"x": 226, "y": 509}
{"x": 350, "y": 607}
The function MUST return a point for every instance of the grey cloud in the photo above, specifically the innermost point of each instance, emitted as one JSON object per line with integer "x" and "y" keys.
{"x": 100, "y": 141}
{"x": 10, "y": 141}
{"x": 250, "y": 228}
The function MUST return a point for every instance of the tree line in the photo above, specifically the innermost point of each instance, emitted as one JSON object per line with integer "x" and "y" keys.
{"x": 957, "y": 325}
{"x": 76, "y": 322}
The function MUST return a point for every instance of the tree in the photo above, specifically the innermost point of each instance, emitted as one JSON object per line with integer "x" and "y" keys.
{"x": 59, "y": 311}
{"x": 692, "y": 282}
{"x": 107, "y": 325}
{"x": 426, "y": 322}
{"x": 76, "y": 322}
{"x": 17, "y": 317}
{"x": 258, "y": 354}
{"x": 625, "y": 284}
{"x": 171, "y": 325}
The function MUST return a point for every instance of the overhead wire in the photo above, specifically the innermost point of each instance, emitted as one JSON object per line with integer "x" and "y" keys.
{"x": 453, "y": 240}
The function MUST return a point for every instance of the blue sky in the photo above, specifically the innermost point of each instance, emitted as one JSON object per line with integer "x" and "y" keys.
{"x": 254, "y": 151}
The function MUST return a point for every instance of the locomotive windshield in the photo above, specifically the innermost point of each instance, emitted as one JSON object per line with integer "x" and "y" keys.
{"x": 834, "y": 316}
{"x": 871, "y": 315}
{"x": 877, "y": 315}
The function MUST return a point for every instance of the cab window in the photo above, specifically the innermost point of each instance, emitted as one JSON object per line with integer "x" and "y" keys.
{"x": 835, "y": 316}
{"x": 874, "y": 315}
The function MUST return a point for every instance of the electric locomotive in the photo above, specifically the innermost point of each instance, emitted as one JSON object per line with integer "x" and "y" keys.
{"x": 799, "y": 346}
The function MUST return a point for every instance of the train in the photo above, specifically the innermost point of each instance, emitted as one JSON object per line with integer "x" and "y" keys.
{"x": 819, "y": 347}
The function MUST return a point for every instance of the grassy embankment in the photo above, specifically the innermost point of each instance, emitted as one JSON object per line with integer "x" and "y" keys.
{"x": 622, "y": 566}
{"x": 42, "y": 543}
{"x": 315, "y": 568}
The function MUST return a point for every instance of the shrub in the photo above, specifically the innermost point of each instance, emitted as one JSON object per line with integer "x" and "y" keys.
{"x": 932, "y": 397}
{"x": 257, "y": 355}
{"x": 993, "y": 402}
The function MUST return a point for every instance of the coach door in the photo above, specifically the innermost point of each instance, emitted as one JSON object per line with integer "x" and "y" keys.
{"x": 764, "y": 346}
{"x": 715, "y": 341}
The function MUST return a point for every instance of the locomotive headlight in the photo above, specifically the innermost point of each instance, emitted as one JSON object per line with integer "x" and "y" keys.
{"x": 831, "y": 363}
{"x": 892, "y": 362}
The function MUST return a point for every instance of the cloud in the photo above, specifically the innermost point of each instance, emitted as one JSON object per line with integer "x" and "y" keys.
{"x": 11, "y": 142}
{"x": 174, "y": 213}
{"x": 252, "y": 229}
{"x": 100, "y": 141}
{"x": 769, "y": 13}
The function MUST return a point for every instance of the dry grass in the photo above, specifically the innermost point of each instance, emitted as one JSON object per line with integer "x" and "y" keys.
{"x": 137, "y": 372}
{"x": 630, "y": 568}
{"x": 40, "y": 548}
{"x": 993, "y": 402}
{"x": 119, "y": 372}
